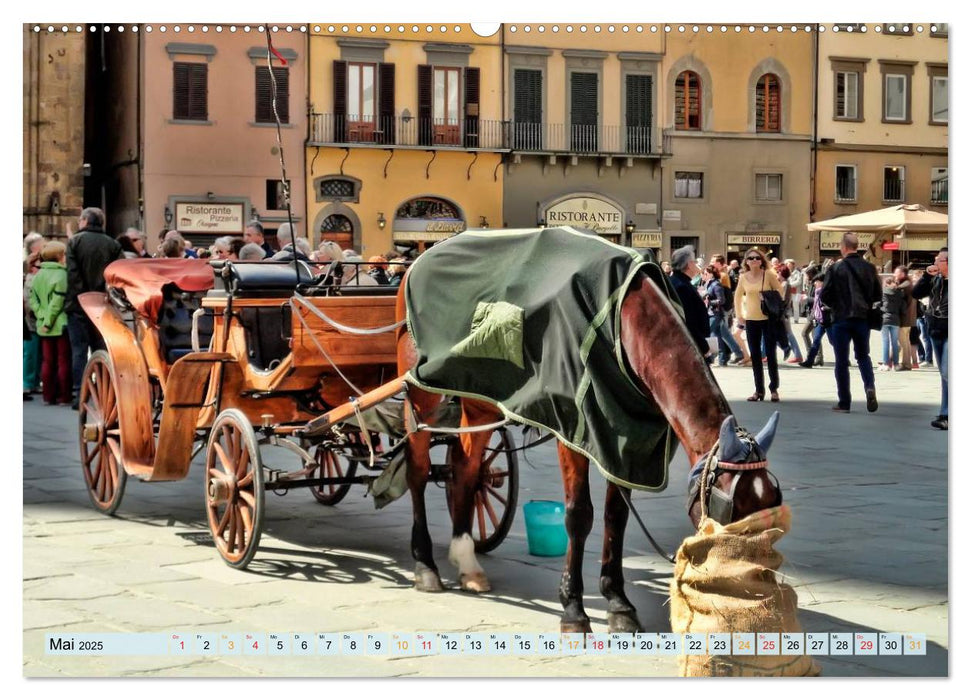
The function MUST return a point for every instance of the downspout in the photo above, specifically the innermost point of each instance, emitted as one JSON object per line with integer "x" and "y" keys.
{"x": 814, "y": 155}
{"x": 502, "y": 116}
{"x": 139, "y": 113}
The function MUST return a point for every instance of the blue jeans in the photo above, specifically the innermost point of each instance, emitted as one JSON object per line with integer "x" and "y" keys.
{"x": 32, "y": 358}
{"x": 925, "y": 338}
{"x": 940, "y": 353}
{"x": 840, "y": 334}
{"x": 817, "y": 344}
{"x": 84, "y": 336}
{"x": 718, "y": 328}
{"x": 891, "y": 344}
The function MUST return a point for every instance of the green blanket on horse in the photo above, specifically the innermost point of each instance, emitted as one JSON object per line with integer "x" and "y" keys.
{"x": 529, "y": 320}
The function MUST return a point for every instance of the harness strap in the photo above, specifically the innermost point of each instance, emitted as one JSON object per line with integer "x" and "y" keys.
{"x": 365, "y": 433}
{"x": 298, "y": 299}
{"x": 744, "y": 467}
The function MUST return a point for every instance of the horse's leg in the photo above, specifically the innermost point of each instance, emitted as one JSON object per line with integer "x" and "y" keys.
{"x": 466, "y": 465}
{"x": 418, "y": 457}
{"x": 621, "y": 615}
{"x": 579, "y": 521}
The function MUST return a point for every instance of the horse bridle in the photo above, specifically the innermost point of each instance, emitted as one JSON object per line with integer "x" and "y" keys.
{"x": 717, "y": 504}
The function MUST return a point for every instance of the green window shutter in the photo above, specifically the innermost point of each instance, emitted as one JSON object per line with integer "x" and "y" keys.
{"x": 639, "y": 115}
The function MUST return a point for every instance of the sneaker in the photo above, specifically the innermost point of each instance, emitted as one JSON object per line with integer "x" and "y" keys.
{"x": 940, "y": 423}
{"x": 840, "y": 409}
{"x": 903, "y": 369}
{"x": 884, "y": 368}
{"x": 871, "y": 400}
{"x": 927, "y": 364}
{"x": 27, "y": 396}
{"x": 794, "y": 361}
{"x": 806, "y": 364}
{"x": 736, "y": 361}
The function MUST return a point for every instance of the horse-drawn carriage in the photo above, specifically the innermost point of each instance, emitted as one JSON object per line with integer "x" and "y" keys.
{"x": 237, "y": 357}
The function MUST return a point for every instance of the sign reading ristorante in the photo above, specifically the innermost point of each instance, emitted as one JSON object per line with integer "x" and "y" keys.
{"x": 208, "y": 217}
{"x": 586, "y": 212}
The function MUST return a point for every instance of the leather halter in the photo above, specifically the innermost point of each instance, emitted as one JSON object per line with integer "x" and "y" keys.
{"x": 716, "y": 503}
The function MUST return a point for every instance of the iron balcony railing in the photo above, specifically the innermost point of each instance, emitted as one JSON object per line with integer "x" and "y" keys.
{"x": 939, "y": 191}
{"x": 487, "y": 134}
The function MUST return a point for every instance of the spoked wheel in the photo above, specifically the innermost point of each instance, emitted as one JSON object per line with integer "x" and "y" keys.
{"x": 334, "y": 464}
{"x": 494, "y": 505}
{"x": 234, "y": 488}
{"x": 100, "y": 435}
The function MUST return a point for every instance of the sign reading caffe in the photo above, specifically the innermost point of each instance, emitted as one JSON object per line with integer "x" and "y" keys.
{"x": 830, "y": 240}
{"x": 208, "y": 217}
{"x": 587, "y": 212}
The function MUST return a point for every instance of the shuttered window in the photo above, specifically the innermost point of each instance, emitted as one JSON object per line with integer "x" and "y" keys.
{"x": 190, "y": 93}
{"x": 527, "y": 110}
{"x": 687, "y": 101}
{"x": 264, "y": 95}
{"x": 639, "y": 116}
{"x": 471, "y": 135}
{"x": 583, "y": 112}
{"x": 768, "y": 93}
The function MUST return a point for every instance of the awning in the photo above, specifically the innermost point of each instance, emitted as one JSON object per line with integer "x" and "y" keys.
{"x": 903, "y": 218}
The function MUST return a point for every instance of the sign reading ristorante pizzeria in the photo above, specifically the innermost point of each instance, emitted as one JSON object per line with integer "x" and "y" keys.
{"x": 208, "y": 217}
{"x": 586, "y": 212}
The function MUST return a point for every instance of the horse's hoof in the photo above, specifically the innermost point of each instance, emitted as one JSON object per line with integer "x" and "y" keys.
{"x": 623, "y": 622}
{"x": 427, "y": 580}
{"x": 476, "y": 582}
{"x": 578, "y": 627}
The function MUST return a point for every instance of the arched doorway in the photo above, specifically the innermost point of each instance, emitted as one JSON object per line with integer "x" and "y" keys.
{"x": 339, "y": 229}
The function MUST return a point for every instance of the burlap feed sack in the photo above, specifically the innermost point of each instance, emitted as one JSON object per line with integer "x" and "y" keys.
{"x": 725, "y": 581}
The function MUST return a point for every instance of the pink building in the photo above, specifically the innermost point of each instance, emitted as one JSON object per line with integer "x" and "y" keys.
{"x": 185, "y": 135}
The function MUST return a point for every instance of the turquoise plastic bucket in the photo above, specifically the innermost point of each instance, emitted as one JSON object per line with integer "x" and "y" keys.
{"x": 545, "y": 528}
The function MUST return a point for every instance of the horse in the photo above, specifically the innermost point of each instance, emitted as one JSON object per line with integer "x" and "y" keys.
{"x": 666, "y": 364}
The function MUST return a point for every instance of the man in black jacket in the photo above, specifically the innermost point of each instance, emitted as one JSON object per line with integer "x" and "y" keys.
{"x": 684, "y": 268}
{"x": 934, "y": 285}
{"x": 88, "y": 253}
{"x": 851, "y": 287}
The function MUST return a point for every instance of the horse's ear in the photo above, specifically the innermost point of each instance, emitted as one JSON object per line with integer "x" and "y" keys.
{"x": 765, "y": 436}
{"x": 731, "y": 446}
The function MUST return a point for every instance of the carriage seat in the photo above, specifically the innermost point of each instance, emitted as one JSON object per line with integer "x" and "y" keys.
{"x": 262, "y": 278}
{"x": 175, "y": 323}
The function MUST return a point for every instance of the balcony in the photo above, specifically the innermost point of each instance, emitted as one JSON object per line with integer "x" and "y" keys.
{"x": 484, "y": 134}
{"x": 939, "y": 192}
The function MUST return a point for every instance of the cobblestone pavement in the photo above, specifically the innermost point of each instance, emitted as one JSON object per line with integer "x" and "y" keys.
{"x": 868, "y": 552}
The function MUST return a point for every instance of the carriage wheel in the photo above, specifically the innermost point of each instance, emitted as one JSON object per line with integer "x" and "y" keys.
{"x": 234, "y": 488}
{"x": 494, "y": 504}
{"x": 100, "y": 435}
{"x": 333, "y": 464}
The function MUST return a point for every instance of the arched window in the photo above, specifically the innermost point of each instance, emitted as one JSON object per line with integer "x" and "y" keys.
{"x": 338, "y": 228}
{"x": 687, "y": 101}
{"x": 768, "y": 103}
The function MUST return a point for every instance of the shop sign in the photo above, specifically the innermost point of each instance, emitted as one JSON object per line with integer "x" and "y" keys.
{"x": 208, "y": 217}
{"x": 646, "y": 239}
{"x": 754, "y": 238}
{"x": 830, "y": 240}
{"x": 426, "y": 229}
{"x": 891, "y": 246}
{"x": 922, "y": 243}
{"x": 589, "y": 213}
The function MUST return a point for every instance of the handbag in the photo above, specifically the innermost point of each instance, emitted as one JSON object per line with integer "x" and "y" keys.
{"x": 874, "y": 314}
{"x": 771, "y": 302}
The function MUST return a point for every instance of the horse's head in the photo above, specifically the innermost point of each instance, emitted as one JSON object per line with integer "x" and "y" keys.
{"x": 738, "y": 482}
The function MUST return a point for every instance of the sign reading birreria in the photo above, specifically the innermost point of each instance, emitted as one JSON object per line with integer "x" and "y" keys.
{"x": 586, "y": 212}
{"x": 208, "y": 217}
{"x": 754, "y": 238}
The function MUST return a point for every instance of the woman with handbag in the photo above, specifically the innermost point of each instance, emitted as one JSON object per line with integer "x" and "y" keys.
{"x": 758, "y": 309}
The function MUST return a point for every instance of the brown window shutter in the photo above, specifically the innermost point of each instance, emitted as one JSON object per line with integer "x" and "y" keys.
{"x": 340, "y": 101}
{"x": 386, "y": 102}
{"x": 264, "y": 95}
{"x": 180, "y": 91}
{"x": 425, "y": 105}
{"x": 471, "y": 108}
{"x": 199, "y": 91}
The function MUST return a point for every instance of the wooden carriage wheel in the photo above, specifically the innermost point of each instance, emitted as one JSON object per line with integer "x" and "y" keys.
{"x": 234, "y": 488}
{"x": 494, "y": 506}
{"x": 333, "y": 464}
{"x": 100, "y": 435}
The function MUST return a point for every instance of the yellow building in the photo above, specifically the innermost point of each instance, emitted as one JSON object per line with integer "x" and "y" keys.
{"x": 737, "y": 107}
{"x": 406, "y": 134}
{"x": 883, "y": 130}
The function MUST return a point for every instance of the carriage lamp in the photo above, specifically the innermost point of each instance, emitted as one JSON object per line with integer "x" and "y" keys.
{"x": 630, "y": 227}
{"x": 168, "y": 216}
{"x": 483, "y": 223}
{"x": 382, "y": 222}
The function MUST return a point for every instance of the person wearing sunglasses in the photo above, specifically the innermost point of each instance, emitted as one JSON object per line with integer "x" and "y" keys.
{"x": 748, "y": 314}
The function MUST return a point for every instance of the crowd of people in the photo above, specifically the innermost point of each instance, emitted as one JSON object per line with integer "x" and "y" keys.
{"x": 745, "y": 311}
{"x": 58, "y": 335}
{"x": 740, "y": 312}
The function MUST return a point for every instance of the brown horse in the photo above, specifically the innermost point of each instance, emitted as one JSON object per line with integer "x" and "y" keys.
{"x": 665, "y": 361}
